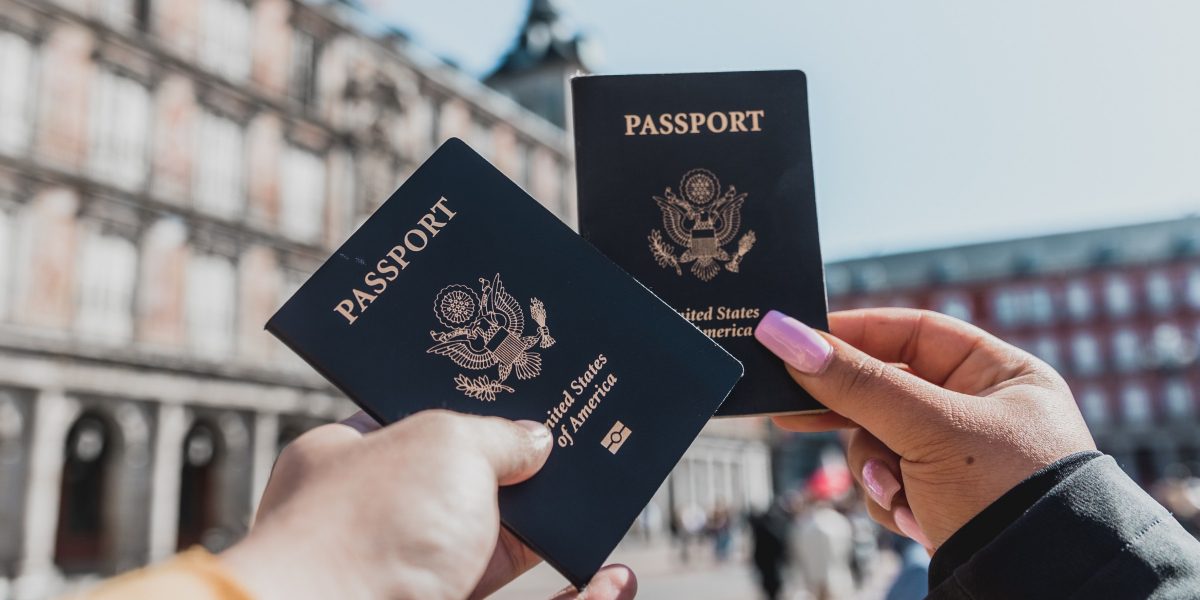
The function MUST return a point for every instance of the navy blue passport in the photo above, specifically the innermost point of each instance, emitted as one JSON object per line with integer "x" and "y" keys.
{"x": 462, "y": 292}
{"x": 700, "y": 185}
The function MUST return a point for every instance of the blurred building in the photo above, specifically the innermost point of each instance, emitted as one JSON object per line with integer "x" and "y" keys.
{"x": 170, "y": 171}
{"x": 548, "y": 50}
{"x": 1116, "y": 311}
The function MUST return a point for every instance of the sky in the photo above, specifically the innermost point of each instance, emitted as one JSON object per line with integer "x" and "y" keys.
{"x": 934, "y": 122}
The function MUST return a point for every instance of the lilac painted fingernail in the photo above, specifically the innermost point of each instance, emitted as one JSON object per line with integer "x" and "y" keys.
{"x": 880, "y": 483}
{"x": 361, "y": 422}
{"x": 796, "y": 343}
{"x": 907, "y": 523}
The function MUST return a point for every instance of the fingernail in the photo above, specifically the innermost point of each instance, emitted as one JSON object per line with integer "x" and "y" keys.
{"x": 908, "y": 525}
{"x": 361, "y": 422}
{"x": 796, "y": 343}
{"x": 537, "y": 432}
{"x": 880, "y": 483}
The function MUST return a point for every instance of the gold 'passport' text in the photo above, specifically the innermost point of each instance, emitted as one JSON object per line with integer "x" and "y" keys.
{"x": 721, "y": 121}
{"x": 397, "y": 259}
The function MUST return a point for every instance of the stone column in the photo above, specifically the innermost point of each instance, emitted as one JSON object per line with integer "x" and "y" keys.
{"x": 266, "y": 434}
{"x": 130, "y": 489}
{"x": 164, "y": 495}
{"x": 53, "y": 414}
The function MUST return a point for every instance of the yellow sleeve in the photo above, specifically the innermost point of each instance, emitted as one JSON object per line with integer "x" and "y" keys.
{"x": 192, "y": 575}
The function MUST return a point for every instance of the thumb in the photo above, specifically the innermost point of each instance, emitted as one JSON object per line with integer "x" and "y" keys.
{"x": 885, "y": 400}
{"x": 516, "y": 449}
{"x": 613, "y": 582}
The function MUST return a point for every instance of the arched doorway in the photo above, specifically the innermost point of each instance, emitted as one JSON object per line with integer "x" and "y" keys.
{"x": 83, "y": 536}
{"x": 199, "y": 485}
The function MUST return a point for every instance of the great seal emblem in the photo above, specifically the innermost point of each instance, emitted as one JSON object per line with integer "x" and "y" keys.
{"x": 486, "y": 329}
{"x": 703, "y": 220}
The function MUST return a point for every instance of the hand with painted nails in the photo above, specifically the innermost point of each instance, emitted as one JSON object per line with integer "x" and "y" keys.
{"x": 406, "y": 511}
{"x": 946, "y": 418}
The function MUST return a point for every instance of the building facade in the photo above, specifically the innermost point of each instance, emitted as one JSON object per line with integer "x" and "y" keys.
{"x": 170, "y": 172}
{"x": 1116, "y": 311}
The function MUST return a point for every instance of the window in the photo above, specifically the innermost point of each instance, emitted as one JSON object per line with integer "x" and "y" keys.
{"x": 1159, "y": 292}
{"x": 1004, "y": 308}
{"x": 1126, "y": 350}
{"x": 220, "y": 153}
{"x": 1046, "y": 348}
{"x": 302, "y": 189}
{"x": 1177, "y": 395}
{"x": 1086, "y": 352}
{"x": 955, "y": 305}
{"x": 1119, "y": 296}
{"x": 16, "y": 80}
{"x": 141, "y": 13}
{"x": 210, "y": 305}
{"x": 1135, "y": 404}
{"x": 303, "y": 81}
{"x": 1193, "y": 288}
{"x": 108, "y": 274}
{"x": 118, "y": 13}
{"x": 119, "y": 129}
{"x": 225, "y": 46}
{"x": 1094, "y": 406}
{"x": 1079, "y": 300}
{"x": 1041, "y": 306}
{"x": 1023, "y": 305}
{"x": 1170, "y": 348}
{"x": 481, "y": 137}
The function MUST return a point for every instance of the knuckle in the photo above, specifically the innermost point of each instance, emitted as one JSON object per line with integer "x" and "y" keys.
{"x": 861, "y": 375}
{"x": 439, "y": 424}
{"x": 297, "y": 458}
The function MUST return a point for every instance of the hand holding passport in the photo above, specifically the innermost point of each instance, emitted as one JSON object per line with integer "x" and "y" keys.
{"x": 461, "y": 292}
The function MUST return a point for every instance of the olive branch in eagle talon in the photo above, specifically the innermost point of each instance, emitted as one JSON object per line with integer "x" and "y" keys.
{"x": 480, "y": 388}
{"x": 662, "y": 252}
{"x": 485, "y": 329}
{"x": 703, "y": 219}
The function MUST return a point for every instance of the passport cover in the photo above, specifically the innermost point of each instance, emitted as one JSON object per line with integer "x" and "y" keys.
{"x": 462, "y": 292}
{"x": 701, "y": 187}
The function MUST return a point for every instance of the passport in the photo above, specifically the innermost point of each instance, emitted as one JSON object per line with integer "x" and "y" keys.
{"x": 701, "y": 187}
{"x": 462, "y": 292}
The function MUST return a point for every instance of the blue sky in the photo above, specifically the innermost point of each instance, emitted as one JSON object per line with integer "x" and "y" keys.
{"x": 934, "y": 122}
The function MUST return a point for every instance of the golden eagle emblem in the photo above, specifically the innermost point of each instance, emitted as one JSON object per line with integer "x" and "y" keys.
{"x": 486, "y": 329}
{"x": 703, "y": 220}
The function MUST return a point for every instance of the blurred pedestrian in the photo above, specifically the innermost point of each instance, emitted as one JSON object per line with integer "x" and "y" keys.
{"x": 769, "y": 532}
{"x": 720, "y": 527}
{"x": 865, "y": 554}
{"x": 692, "y": 520}
{"x": 822, "y": 541}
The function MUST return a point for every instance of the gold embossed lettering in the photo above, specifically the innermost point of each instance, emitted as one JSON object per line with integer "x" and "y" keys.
{"x": 346, "y": 309}
{"x": 631, "y": 121}
{"x": 754, "y": 116}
